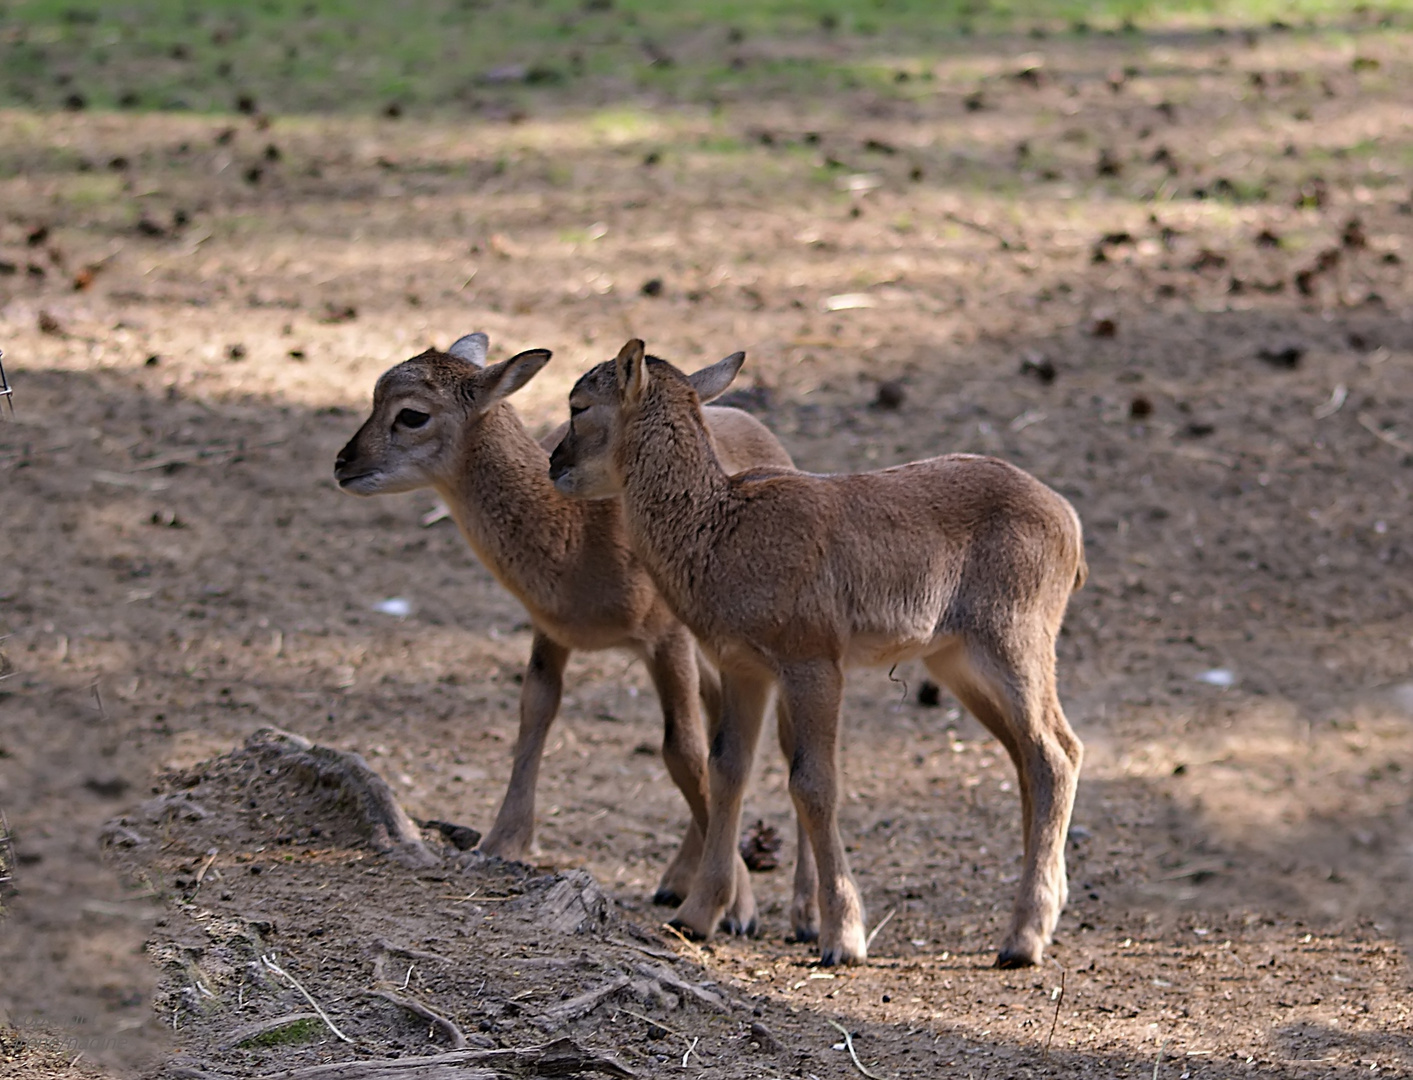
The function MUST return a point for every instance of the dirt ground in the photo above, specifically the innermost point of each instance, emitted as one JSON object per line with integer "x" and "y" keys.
{"x": 1168, "y": 274}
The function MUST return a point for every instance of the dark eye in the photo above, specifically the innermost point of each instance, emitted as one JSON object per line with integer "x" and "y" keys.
{"x": 411, "y": 418}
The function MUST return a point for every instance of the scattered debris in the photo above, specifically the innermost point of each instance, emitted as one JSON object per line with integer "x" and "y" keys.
{"x": 891, "y": 395}
{"x": 1369, "y": 424}
{"x": 463, "y": 837}
{"x": 439, "y": 512}
{"x": 1282, "y": 356}
{"x": 397, "y": 606}
{"x": 1207, "y": 259}
{"x": 849, "y": 301}
{"x": 763, "y": 1035}
{"x": 1039, "y": 365}
{"x": 108, "y": 787}
{"x": 1353, "y": 236}
{"x": 1108, "y": 164}
{"x": 338, "y": 313}
{"x": 1334, "y": 404}
{"x": 760, "y": 847}
{"x": 1222, "y": 677}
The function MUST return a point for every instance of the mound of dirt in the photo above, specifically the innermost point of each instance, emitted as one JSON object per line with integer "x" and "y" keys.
{"x": 312, "y": 929}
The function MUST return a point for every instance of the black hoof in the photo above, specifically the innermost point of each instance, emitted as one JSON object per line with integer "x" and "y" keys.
{"x": 1013, "y": 960}
{"x": 667, "y": 898}
{"x": 686, "y": 931}
{"x": 733, "y": 926}
{"x": 802, "y": 937}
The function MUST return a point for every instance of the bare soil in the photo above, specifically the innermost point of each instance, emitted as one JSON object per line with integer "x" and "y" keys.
{"x": 1168, "y": 275}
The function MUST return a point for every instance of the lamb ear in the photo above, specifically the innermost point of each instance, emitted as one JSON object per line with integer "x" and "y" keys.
{"x": 472, "y": 348}
{"x": 510, "y": 375}
{"x": 630, "y": 368}
{"x": 711, "y": 382}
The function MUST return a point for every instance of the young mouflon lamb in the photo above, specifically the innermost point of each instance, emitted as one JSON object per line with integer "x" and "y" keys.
{"x": 787, "y": 578}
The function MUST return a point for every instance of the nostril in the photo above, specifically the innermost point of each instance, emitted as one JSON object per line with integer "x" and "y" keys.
{"x": 345, "y": 455}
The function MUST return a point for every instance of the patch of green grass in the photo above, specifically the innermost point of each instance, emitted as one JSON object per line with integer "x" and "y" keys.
{"x": 297, "y": 1032}
{"x": 369, "y": 55}
{"x": 87, "y": 191}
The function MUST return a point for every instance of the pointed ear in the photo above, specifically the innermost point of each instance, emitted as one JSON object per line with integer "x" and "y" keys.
{"x": 505, "y": 378}
{"x": 471, "y": 348}
{"x": 631, "y": 370}
{"x": 711, "y": 382}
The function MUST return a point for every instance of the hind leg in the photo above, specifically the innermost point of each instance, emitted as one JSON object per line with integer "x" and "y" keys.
{"x": 1017, "y": 702}
{"x": 813, "y": 695}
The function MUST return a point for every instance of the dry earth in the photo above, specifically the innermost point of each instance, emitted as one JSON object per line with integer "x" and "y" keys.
{"x": 1168, "y": 275}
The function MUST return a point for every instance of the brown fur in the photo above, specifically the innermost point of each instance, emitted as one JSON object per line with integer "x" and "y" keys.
{"x": 964, "y": 562}
{"x": 568, "y": 561}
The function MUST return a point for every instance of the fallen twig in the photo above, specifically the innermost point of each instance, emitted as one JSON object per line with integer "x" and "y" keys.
{"x": 868, "y": 941}
{"x": 1054, "y": 1020}
{"x": 1159, "y": 1061}
{"x": 269, "y": 961}
{"x": 691, "y": 1042}
{"x": 453, "y": 1033}
{"x": 562, "y": 1057}
{"x": 985, "y": 230}
{"x": 205, "y": 866}
{"x": 684, "y": 939}
{"x": 710, "y": 998}
{"x": 1369, "y": 424}
{"x": 849, "y": 1042}
{"x": 582, "y": 1005}
{"x": 204, "y": 456}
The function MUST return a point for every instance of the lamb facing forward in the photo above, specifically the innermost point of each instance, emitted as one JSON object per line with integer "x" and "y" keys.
{"x": 440, "y": 420}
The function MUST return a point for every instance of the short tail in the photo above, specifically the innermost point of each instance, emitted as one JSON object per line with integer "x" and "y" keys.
{"x": 1081, "y": 573}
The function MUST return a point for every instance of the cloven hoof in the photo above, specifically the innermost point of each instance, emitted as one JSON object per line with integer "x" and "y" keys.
{"x": 1014, "y": 960}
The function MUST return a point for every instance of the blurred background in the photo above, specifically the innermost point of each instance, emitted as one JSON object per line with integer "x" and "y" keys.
{"x": 1156, "y": 253}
